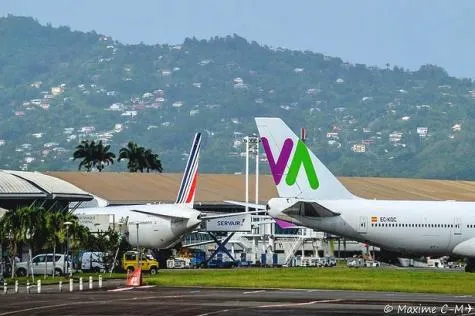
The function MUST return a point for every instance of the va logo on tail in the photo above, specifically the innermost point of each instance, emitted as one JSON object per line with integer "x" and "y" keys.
{"x": 301, "y": 158}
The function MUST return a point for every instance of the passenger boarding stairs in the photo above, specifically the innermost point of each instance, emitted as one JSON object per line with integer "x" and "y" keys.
{"x": 243, "y": 242}
{"x": 291, "y": 248}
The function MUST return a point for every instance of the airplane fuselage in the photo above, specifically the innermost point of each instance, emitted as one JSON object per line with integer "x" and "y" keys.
{"x": 159, "y": 232}
{"x": 415, "y": 227}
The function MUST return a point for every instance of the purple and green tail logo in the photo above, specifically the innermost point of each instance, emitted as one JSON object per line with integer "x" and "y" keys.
{"x": 301, "y": 158}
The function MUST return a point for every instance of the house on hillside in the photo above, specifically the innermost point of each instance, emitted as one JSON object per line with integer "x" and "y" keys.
{"x": 422, "y": 131}
{"x": 358, "y": 148}
{"x": 395, "y": 137}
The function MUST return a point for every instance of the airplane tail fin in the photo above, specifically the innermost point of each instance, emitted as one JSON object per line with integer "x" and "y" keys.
{"x": 297, "y": 172}
{"x": 186, "y": 193}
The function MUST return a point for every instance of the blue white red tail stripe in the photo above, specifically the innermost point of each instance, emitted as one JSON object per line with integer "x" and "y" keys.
{"x": 186, "y": 194}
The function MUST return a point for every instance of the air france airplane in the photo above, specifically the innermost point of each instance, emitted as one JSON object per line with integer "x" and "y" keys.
{"x": 310, "y": 195}
{"x": 161, "y": 225}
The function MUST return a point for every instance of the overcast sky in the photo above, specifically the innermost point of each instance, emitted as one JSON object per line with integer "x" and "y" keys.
{"x": 406, "y": 33}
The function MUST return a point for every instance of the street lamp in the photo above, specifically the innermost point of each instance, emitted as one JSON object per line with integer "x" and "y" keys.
{"x": 138, "y": 249}
{"x": 67, "y": 224}
{"x": 252, "y": 146}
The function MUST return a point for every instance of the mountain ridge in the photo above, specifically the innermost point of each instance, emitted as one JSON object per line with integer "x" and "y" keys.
{"x": 69, "y": 85}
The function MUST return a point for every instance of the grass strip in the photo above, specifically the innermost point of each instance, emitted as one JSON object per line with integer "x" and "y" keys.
{"x": 339, "y": 278}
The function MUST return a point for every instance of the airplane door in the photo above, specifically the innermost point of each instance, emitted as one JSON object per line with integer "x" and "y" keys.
{"x": 457, "y": 226}
{"x": 456, "y": 232}
{"x": 363, "y": 225}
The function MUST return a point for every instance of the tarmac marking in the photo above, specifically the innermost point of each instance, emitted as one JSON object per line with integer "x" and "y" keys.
{"x": 221, "y": 311}
{"x": 88, "y": 303}
{"x": 251, "y": 292}
{"x": 121, "y": 289}
{"x": 300, "y": 304}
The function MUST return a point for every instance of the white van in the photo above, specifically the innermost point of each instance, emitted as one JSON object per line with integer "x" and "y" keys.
{"x": 93, "y": 261}
{"x": 43, "y": 264}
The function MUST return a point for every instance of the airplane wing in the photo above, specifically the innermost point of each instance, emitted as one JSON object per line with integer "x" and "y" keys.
{"x": 160, "y": 214}
{"x": 250, "y": 205}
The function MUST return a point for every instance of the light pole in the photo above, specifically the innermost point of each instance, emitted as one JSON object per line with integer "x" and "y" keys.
{"x": 67, "y": 224}
{"x": 138, "y": 249}
{"x": 252, "y": 146}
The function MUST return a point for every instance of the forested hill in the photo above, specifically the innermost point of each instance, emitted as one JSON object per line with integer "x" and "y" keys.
{"x": 58, "y": 87}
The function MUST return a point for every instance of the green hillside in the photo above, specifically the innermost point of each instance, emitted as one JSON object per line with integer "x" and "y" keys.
{"x": 58, "y": 87}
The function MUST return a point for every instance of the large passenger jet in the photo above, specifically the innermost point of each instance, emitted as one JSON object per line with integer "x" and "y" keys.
{"x": 310, "y": 195}
{"x": 161, "y": 225}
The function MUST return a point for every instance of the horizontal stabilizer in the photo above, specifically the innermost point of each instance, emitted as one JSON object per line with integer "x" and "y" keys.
{"x": 158, "y": 214}
{"x": 205, "y": 217}
{"x": 309, "y": 209}
{"x": 250, "y": 205}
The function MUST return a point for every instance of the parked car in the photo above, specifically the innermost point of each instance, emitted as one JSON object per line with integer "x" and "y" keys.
{"x": 147, "y": 262}
{"x": 355, "y": 262}
{"x": 93, "y": 261}
{"x": 43, "y": 264}
{"x": 372, "y": 263}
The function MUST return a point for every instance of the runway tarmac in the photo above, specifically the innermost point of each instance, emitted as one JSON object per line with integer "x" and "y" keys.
{"x": 223, "y": 301}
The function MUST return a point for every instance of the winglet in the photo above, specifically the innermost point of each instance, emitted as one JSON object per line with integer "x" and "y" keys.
{"x": 186, "y": 193}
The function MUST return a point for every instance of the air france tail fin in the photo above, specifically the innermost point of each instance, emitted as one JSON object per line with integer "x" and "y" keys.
{"x": 186, "y": 194}
{"x": 297, "y": 172}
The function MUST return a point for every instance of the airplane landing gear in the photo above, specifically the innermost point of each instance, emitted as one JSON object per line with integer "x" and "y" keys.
{"x": 470, "y": 267}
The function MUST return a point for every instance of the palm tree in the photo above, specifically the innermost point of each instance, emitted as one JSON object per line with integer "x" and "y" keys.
{"x": 9, "y": 224}
{"x": 102, "y": 156}
{"x": 152, "y": 161}
{"x": 135, "y": 155}
{"x": 29, "y": 229}
{"x": 85, "y": 150}
{"x": 139, "y": 158}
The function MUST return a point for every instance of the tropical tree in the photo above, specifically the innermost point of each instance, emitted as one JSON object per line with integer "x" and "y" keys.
{"x": 63, "y": 228}
{"x": 135, "y": 155}
{"x": 93, "y": 155}
{"x": 102, "y": 156}
{"x": 21, "y": 226}
{"x": 9, "y": 231}
{"x": 85, "y": 151}
{"x": 30, "y": 227}
{"x": 152, "y": 161}
{"x": 140, "y": 158}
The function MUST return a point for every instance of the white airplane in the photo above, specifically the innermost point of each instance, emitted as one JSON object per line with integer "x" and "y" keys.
{"x": 161, "y": 225}
{"x": 310, "y": 195}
